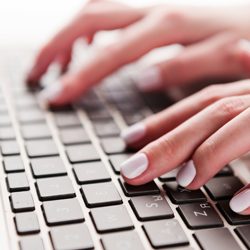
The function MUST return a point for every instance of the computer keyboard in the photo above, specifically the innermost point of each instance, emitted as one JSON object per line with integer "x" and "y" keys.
{"x": 61, "y": 184}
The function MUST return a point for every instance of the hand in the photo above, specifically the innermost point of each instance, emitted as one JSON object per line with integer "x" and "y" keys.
{"x": 205, "y": 131}
{"x": 210, "y": 35}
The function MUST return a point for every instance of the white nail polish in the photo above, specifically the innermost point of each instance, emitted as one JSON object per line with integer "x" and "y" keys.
{"x": 133, "y": 133}
{"x": 186, "y": 174}
{"x": 241, "y": 201}
{"x": 49, "y": 93}
{"x": 149, "y": 79}
{"x": 134, "y": 166}
{"x": 244, "y": 45}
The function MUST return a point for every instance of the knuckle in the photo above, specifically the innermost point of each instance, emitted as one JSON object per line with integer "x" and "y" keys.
{"x": 211, "y": 94}
{"x": 173, "y": 15}
{"x": 114, "y": 53}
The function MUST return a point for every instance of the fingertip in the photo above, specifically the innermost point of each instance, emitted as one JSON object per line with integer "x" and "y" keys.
{"x": 133, "y": 133}
{"x": 241, "y": 202}
{"x": 186, "y": 174}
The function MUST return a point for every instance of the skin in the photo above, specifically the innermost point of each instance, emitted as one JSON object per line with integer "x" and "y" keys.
{"x": 208, "y": 127}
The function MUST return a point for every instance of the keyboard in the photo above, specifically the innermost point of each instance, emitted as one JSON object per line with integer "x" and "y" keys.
{"x": 60, "y": 176}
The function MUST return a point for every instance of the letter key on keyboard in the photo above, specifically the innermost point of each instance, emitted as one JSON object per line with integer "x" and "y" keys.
{"x": 31, "y": 243}
{"x": 13, "y": 164}
{"x": 117, "y": 160}
{"x": 22, "y": 201}
{"x": 244, "y": 234}
{"x": 17, "y": 182}
{"x": 9, "y": 148}
{"x": 74, "y": 136}
{"x": 27, "y": 223}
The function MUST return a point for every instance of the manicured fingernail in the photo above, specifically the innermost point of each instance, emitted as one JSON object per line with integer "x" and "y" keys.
{"x": 49, "y": 93}
{"x": 149, "y": 79}
{"x": 244, "y": 45}
{"x": 133, "y": 133}
{"x": 134, "y": 166}
{"x": 186, "y": 174}
{"x": 241, "y": 201}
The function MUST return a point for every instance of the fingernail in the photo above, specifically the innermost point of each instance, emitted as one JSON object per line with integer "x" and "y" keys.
{"x": 186, "y": 174}
{"x": 149, "y": 79}
{"x": 49, "y": 93}
{"x": 241, "y": 201}
{"x": 244, "y": 45}
{"x": 133, "y": 133}
{"x": 134, "y": 166}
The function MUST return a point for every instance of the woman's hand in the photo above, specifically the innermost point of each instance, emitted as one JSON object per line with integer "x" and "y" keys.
{"x": 206, "y": 131}
{"x": 210, "y": 35}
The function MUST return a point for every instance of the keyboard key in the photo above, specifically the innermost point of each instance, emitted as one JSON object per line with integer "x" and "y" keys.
{"x": 100, "y": 194}
{"x": 106, "y": 128}
{"x": 113, "y": 145}
{"x": 62, "y": 212}
{"x": 223, "y": 188}
{"x": 41, "y": 148}
{"x": 74, "y": 136}
{"x": 152, "y": 207}
{"x": 133, "y": 118}
{"x": 27, "y": 223}
{"x": 170, "y": 176}
{"x": 17, "y": 182}
{"x": 122, "y": 241}
{"x": 71, "y": 237}
{"x": 213, "y": 239}
{"x": 244, "y": 234}
{"x": 146, "y": 189}
{"x": 35, "y": 131}
{"x": 99, "y": 114}
{"x": 9, "y": 148}
{"x": 22, "y": 202}
{"x": 232, "y": 217}
{"x": 31, "y": 243}
{"x": 7, "y": 134}
{"x": 13, "y": 164}
{"x": 117, "y": 160}
{"x": 31, "y": 116}
{"x": 82, "y": 153}
{"x": 165, "y": 233}
{"x": 199, "y": 215}
{"x": 5, "y": 120}
{"x": 91, "y": 172}
{"x": 111, "y": 219}
{"x": 227, "y": 170}
{"x": 55, "y": 188}
{"x": 67, "y": 119}
{"x": 47, "y": 167}
{"x": 180, "y": 195}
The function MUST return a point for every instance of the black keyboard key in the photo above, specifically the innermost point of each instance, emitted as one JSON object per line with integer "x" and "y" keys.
{"x": 31, "y": 116}
{"x": 117, "y": 160}
{"x": 122, "y": 241}
{"x": 244, "y": 234}
{"x": 31, "y": 243}
{"x": 111, "y": 219}
{"x": 91, "y": 172}
{"x": 170, "y": 176}
{"x": 35, "y": 131}
{"x": 62, "y": 212}
{"x": 5, "y": 120}
{"x": 180, "y": 195}
{"x": 41, "y": 148}
{"x": 13, "y": 164}
{"x": 82, "y": 153}
{"x": 22, "y": 202}
{"x": 152, "y": 207}
{"x": 55, "y": 188}
{"x": 146, "y": 189}
{"x": 47, "y": 167}
{"x": 133, "y": 118}
{"x": 216, "y": 239}
{"x": 200, "y": 215}
{"x": 223, "y": 188}
{"x": 165, "y": 233}
{"x": 100, "y": 194}
{"x": 227, "y": 170}
{"x": 7, "y": 134}
{"x": 9, "y": 148}
{"x": 71, "y": 237}
{"x": 17, "y": 182}
{"x": 27, "y": 223}
{"x": 113, "y": 145}
{"x": 67, "y": 119}
{"x": 232, "y": 217}
{"x": 74, "y": 136}
{"x": 106, "y": 128}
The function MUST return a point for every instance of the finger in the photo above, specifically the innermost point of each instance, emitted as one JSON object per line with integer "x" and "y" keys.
{"x": 178, "y": 146}
{"x": 97, "y": 15}
{"x": 225, "y": 145}
{"x": 153, "y": 127}
{"x": 240, "y": 203}
{"x": 244, "y": 54}
{"x": 216, "y": 57}
{"x": 64, "y": 59}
